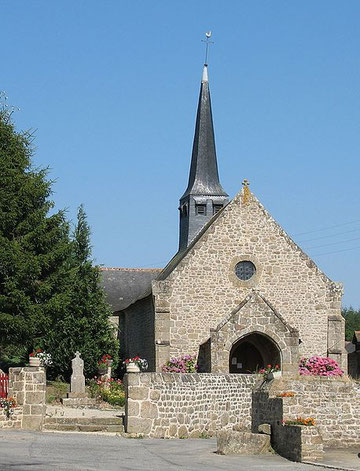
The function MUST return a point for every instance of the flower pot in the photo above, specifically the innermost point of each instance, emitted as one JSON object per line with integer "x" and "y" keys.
{"x": 34, "y": 361}
{"x": 273, "y": 375}
{"x": 132, "y": 367}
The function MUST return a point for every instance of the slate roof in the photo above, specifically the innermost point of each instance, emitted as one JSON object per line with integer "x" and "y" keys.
{"x": 123, "y": 286}
{"x": 204, "y": 175}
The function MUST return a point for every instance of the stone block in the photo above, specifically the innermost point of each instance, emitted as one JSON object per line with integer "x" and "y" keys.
{"x": 243, "y": 443}
{"x": 138, "y": 425}
{"x": 154, "y": 395}
{"x": 132, "y": 379}
{"x": 32, "y": 422}
{"x": 265, "y": 428}
{"x": 38, "y": 409}
{"x": 132, "y": 408}
{"x": 35, "y": 398}
{"x": 138, "y": 393}
{"x": 75, "y": 395}
{"x": 20, "y": 397}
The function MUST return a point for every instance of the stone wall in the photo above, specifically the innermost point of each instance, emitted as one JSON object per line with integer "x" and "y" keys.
{"x": 138, "y": 331}
{"x": 28, "y": 385}
{"x": 334, "y": 403}
{"x": 13, "y": 421}
{"x": 255, "y": 315}
{"x": 203, "y": 290}
{"x": 187, "y": 405}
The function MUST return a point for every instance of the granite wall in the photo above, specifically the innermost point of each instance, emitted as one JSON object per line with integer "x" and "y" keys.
{"x": 203, "y": 290}
{"x": 334, "y": 403}
{"x": 28, "y": 385}
{"x": 187, "y": 405}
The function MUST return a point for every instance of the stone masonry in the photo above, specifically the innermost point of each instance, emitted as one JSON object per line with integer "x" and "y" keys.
{"x": 254, "y": 315}
{"x": 13, "y": 421}
{"x": 334, "y": 403}
{"x": 27, "y": 385}
{"x": 187, "y": 405}
{"x": 199, "y": 289}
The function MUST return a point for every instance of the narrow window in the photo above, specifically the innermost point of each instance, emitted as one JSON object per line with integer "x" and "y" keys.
{"x": 200, "y": 209}
{"x": 216, "y": 208}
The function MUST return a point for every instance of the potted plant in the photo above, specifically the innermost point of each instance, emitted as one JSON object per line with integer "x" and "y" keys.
{"x": 136, "y": 364}
{"x": 104, "y": 363}
{"x": 40, "y": 358}
{"x": 271, "y": 372}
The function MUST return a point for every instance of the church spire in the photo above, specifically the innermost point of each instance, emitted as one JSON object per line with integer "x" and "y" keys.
{"x": 204, "y": 176}
{"x": 204, "y": 195}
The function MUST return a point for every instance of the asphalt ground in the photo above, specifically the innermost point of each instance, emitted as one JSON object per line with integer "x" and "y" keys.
{"x": 30, "y": 451}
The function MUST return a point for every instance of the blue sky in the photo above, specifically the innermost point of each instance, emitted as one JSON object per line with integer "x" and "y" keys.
{"x": 111, "y": 89}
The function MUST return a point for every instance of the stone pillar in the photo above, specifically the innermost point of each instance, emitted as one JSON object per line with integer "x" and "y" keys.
{"x": 161, "y": 290}
{"x": 28, "y": 385}
{"x": 336, "y": 341}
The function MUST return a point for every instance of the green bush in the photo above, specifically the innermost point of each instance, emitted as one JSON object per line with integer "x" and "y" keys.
{"x": 56, "y": 390}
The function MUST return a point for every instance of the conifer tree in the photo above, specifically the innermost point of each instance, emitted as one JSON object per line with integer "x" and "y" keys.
{"x": 85, "y": 325}
{"x": 34, "y": 247}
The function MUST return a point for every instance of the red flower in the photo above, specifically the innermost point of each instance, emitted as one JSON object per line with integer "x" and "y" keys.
{"x": 39, "y": 350}
{"x": 32, "y": 354}
{"x": 268, "y": 366}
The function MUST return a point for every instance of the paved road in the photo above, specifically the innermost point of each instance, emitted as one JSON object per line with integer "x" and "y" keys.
{"x": 28, "y": 451}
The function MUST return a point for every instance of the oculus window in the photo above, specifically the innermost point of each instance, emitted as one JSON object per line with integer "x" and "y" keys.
{"x": 245, "y": 270}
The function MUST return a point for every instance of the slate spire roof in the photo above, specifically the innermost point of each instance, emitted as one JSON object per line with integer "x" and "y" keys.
{"x": 204, "y": 175}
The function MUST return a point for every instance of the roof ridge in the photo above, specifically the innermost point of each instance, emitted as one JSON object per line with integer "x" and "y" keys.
{"x": 129, "y": 269}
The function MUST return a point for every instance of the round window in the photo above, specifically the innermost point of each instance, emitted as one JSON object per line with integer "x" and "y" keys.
{"x": 245, "y": 270}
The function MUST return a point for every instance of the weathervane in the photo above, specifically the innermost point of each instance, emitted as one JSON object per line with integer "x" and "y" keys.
{"x": 207, "y": 42}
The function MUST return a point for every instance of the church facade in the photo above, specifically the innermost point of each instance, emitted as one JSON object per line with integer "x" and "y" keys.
{"x": 239, "y": 293}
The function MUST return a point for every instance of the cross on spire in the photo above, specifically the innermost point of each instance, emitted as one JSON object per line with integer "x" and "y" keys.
{"x": 207, "y": 42}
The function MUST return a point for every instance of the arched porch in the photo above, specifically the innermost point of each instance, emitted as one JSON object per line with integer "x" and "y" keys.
{"x": 252, "y": 352}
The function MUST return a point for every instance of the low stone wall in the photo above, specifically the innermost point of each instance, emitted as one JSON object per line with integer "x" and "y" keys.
{"x": 13, "y": 421}
{"x": 28, "y": 385}
{"x": 334, "y": 403}
{"x": 187, "y": 405}
{"x": 298, "y": 442}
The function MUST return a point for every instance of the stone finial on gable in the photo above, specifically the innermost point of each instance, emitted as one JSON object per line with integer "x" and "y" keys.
{"x": 246, "y": 191}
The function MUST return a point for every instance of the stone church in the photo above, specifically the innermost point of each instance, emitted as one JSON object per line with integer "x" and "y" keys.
{"x": 239, "y": 293}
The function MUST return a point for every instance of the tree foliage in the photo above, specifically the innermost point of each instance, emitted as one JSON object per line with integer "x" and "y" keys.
{"x": 85, "y": 325}
{"x": 352, "y": 321}
{"x": 50, "y": 296}
{"x": 34, "y": 246}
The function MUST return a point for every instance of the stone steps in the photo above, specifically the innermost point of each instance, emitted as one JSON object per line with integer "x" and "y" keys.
{"x": 84, "y": 424}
